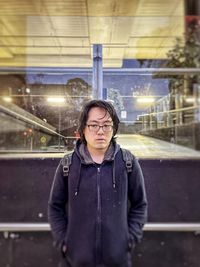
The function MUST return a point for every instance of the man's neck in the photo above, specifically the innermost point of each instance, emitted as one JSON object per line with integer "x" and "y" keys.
{"x": 97, "y": 154}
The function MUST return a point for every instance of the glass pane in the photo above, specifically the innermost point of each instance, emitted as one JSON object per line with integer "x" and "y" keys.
{"x": 156, "y": 104}
{"x": 39, "y": 111}
{"x": 46, "y": 52}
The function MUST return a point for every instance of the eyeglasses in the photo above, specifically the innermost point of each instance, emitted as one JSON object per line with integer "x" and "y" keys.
{"x": 95, "y": 127}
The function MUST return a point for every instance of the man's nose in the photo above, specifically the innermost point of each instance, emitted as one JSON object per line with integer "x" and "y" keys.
{"x": 100, "y": 131}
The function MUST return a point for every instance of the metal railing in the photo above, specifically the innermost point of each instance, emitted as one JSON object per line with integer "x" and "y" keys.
{"x": 61, "y": 70}
{"x": 161, "y": 119}
{"x": 22, "y": 115}
{"x": 43, "y": 227}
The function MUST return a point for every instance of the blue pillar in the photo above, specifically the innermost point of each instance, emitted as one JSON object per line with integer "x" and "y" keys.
{"x": 105, "y": 94}
{"x": 97, "y": 72}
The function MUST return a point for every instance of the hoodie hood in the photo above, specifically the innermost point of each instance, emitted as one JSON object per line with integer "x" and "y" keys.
{"x": 85, "y": 158}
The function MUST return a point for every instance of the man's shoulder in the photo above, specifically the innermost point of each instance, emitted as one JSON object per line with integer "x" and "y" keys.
{"x": 68, "y": 155}
{"x": 127, "y": 154}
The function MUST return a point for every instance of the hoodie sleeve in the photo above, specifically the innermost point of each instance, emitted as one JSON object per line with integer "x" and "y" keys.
{"x": 57, "y": 215}
{"x": 137, "y": 215}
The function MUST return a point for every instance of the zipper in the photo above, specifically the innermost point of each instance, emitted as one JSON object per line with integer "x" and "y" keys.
{"x": 98, "y": 195}
{"x": 98, "y": 226}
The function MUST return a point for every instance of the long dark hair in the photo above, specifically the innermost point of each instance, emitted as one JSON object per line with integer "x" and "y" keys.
{"x": 97, "y": 104}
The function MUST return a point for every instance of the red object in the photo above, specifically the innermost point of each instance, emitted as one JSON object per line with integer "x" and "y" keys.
{"x": 77, "y": 135}
{"x": 192, "y": 19}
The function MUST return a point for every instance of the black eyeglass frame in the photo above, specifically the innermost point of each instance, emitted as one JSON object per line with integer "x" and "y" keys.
{"x": 106, "y": 127}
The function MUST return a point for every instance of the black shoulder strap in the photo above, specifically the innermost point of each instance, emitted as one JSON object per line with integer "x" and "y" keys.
{"x": 128, "y": 159}
{"x": 66, "y": 162}
{"x": 126, "y": 154}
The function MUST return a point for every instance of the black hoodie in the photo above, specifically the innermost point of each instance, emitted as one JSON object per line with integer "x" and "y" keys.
{"x": 98, "y": 211}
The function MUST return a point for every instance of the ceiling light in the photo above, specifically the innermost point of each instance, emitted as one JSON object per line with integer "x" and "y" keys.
{"x": 7, "y": 99}
{"x": 56, "y": 99}
{"x": 145, "y": 99}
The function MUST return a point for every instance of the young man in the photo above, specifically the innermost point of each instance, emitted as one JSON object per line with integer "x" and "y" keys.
{"x": 106, "y": 205}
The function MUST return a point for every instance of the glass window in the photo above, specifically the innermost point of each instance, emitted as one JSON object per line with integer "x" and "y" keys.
{"x": 150, "y": 71}
{"x": 39, "y": 111}
{"x": 159, "y": 110}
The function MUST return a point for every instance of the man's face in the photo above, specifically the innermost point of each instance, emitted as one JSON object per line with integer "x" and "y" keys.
{"x": 98, "y": 138}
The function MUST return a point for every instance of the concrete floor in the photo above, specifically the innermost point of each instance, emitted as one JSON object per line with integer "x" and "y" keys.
{"x": 147, "y": 147}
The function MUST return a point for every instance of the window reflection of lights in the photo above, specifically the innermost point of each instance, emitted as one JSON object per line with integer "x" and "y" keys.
{"x": 145, "y": 99}
{"x": 7, "y": 99}
{"x": 189, "y": 100}
{"x": 56, "y": 99}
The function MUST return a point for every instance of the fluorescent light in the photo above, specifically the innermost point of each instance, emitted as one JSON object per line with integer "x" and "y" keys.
{"x": 56, "y": 99}
{"x": 145, "y": 99}
{"x": 7, "y": 99}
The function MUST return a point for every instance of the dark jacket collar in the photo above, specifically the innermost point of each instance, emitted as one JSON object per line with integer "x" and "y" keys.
{"x": 83, "y": 153}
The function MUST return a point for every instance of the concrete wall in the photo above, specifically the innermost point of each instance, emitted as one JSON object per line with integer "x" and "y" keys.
{"x": 173, "y": 195}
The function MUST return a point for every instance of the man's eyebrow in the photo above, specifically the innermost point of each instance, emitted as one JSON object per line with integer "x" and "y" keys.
{"x": 108, "y": 121}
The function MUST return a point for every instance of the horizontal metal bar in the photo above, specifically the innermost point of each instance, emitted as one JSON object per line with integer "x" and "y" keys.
{"x": 170, "y": 111}
{"x": 46, "y": 70}
{"x": 177, "y": 227}
{"x": 154, "y": 70}
{"x": 24, "y": 227}
{"x": 41, "y": 227}
{"x": 65, "y": 70}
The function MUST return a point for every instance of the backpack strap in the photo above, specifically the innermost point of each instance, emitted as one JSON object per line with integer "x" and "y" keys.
{"x": 128, "y": 159}
{"x": 66, "y": 162}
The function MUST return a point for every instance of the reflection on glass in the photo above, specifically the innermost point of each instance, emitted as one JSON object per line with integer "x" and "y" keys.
{"x": 39, "y": 107}
{"x": 159, "y": 105}
{"x": 40, "y": 112}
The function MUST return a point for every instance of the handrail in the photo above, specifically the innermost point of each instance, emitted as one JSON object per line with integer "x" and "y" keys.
{"x": 179, "y": 227}
{"x": 61, "y": 70}
{"x": 42, "y": 227}
{"x": 24, "y": 227}
{"x": 25, "y": 119}
{"x": 169, "y": 111}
